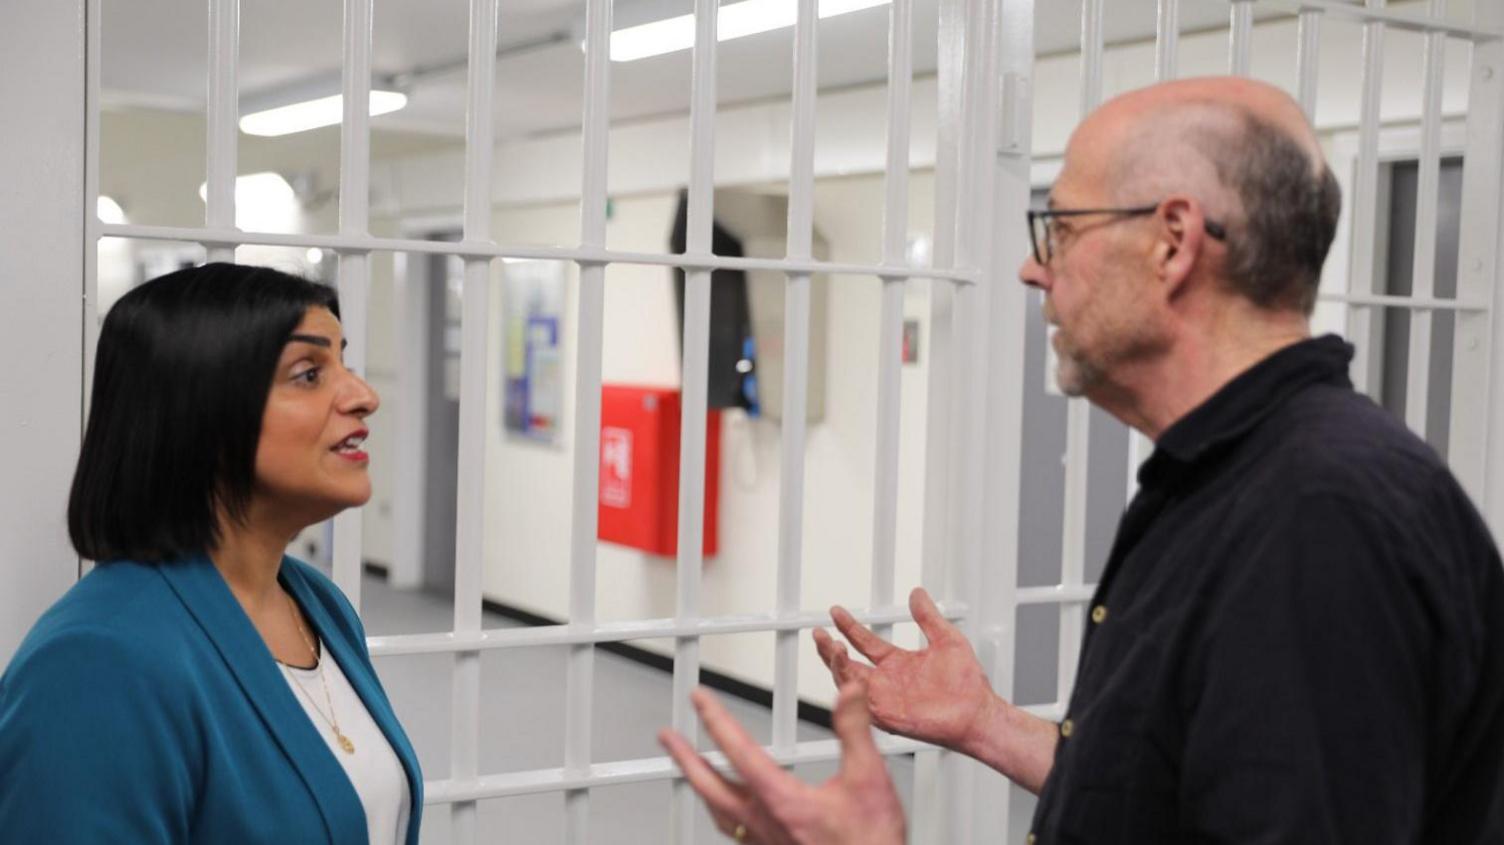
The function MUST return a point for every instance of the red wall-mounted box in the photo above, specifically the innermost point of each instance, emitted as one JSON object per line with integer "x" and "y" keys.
{"x": 639, "y": 469}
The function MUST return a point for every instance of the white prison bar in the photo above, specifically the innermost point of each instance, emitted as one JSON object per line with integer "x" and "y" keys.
{"x": 1412, "y": 303}
{"x": 1307, "y": 53}
{"x": 1477, "y": 391}
{"x": 1240, "y": 36}
{"x": 693, "y": 392}
{"x": 1091, "y": 55}
{"x": 646, "y": 770}
{"x": 799, "y": 239}
{"x": 470, "y": 488}
{"x": 93, "y": 54}
{"x": 1078, "y": 415}
{"x": 1056, "y": 594}
{"x": 223, "y": 108}
{"x": 1361, "y": 324}
{"x": 1349, "y": 11}
{"x": 579, "y": 691}
{"x": 485, "y": 249}
{"x": 933, "y": 773}
{"x": 354, "y": 274}
{"x": 636, "y": 629}
{"x": 1167, "y": 40}
{"x": 890, "y": 322}
{"x": 1423, "y": 270}
{"x": 1166, "y": 54}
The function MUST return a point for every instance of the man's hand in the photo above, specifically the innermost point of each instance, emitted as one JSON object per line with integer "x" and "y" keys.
{"x": 937, "y": 694}
{"x": 857, "y": 806}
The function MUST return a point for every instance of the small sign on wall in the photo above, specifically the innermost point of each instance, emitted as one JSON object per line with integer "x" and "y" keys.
{"x": 533, "y": 377}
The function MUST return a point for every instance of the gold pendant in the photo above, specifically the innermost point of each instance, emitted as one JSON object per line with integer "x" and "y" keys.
{"x": 345, "y": 743}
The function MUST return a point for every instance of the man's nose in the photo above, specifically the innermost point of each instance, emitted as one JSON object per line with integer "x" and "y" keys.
{"x": 1034, "y": 275}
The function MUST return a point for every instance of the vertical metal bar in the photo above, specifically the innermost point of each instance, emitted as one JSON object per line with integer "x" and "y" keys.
{"x": 1167, "y": 40}
{"x": 579, "y": 692}
{"x": 800, "y": 239}
{"x": 937, "y": 775}
{"x": 1307, "y": 58}
{"x": 1091, "y": 55}
{"x": 222, "y": 131}
{"x": 93, "y": 26}
{"x": 1240, "y": 38}
{"x": 354, "y": 272}
{"x": 890, "y": 326}
{"x": 1475, "y": 451}
{"x": 696, "y": 370}
{"x": 975, "y": 248}
{"x": 1423, "y": 271}
{"x": 1078, "y": 413}
{"x": 470, "y": 531}
{"x": 1361, "y": 267}
{"x": 942, "y": 362}
{"x": 411, "y": 331}
{"x": 1009, "y": 174}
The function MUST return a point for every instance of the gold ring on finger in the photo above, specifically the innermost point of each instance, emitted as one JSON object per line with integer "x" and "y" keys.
{"x": 739, "y": 833}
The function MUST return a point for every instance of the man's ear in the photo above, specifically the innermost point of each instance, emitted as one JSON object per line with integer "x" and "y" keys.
{"x": 1181, "y": 238}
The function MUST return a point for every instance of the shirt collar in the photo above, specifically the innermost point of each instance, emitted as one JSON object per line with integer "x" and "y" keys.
{"x": 1241, "y": 404}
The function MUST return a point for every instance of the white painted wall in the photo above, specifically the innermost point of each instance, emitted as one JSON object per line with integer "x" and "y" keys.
{"x": 41, "y": 286}
{"x": 527, "y": 539}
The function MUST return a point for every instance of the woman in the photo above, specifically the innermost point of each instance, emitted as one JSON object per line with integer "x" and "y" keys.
{"x": 198, "y": 685}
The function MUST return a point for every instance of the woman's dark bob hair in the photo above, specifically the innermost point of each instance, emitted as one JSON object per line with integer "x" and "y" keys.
{"x": 183, "y": 369}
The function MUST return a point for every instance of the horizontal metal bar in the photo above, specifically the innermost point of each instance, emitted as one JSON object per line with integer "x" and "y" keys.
{"x": 1053, "y": 712}
{"x": 485, "y": 249}
{"x": 1358, "y": 14}
{"x": 637, "y": 629}
{"x": 1411, "y": 302}
{"x": 630, "y": 771}
{"x": 1055, "y": 594}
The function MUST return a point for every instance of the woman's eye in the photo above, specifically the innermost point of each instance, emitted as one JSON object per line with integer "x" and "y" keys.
{"x": 309, "y": 376}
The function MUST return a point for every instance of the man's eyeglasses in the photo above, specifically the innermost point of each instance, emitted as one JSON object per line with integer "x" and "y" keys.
{"x": 1041, "y": 226}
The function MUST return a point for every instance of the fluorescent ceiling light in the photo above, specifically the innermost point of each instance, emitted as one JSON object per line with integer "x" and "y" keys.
{"x": 736, "y": 20}
{"x": 311, "y": 114}
{"x": 108, "y": 211}
{"x": 257, "y": 188}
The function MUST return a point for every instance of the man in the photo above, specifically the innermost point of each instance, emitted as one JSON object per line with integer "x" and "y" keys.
{"x": 1299, "y": 634}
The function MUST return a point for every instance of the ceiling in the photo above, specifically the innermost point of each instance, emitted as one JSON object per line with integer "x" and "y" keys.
{"x": 154, "y": 54}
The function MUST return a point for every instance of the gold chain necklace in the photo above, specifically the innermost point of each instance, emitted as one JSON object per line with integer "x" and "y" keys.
{"x": 344, "y": 741}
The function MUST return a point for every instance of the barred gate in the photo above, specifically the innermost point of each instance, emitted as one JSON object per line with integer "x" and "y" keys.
{"x": 975, "y": 443}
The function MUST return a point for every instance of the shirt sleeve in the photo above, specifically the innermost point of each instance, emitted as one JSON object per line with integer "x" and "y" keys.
{"x": 1306, "y": 701}
{"x": 91, "y": 748}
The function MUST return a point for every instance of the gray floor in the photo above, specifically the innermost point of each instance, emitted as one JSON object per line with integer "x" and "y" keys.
{"x": 522, "y": 695}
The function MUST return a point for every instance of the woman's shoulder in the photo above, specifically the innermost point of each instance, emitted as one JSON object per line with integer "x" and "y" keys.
{"x": 121, "y": 613}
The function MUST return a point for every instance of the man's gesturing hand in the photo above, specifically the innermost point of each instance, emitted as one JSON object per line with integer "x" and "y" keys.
{"x": 937, "y": 694}
{"x": 856, "y": 807}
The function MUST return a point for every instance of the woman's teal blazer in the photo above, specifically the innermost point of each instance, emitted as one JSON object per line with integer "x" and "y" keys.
{"x": 144, "y": 707}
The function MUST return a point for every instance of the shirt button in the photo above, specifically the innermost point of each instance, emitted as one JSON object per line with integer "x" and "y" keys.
{"x": 1066, "y": 728}
{"x": 1099, "y": 614}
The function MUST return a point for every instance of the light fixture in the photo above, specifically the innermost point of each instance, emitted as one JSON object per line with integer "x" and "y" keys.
{"x": 264, "y": 202}
{"x": 311, "y": 102}
{"x": 108, "y": 211}
{"x": 737, "y": 20}
{"x": 311, "y": 114}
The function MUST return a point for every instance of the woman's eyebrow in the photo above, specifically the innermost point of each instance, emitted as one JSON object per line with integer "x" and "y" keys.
{"x": 317, "y": 340}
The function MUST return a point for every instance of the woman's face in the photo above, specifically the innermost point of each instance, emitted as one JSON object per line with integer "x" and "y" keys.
{"x": 309, "y": 461}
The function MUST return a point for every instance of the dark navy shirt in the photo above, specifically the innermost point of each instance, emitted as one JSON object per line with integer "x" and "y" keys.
{"x": 1298, "y": 637}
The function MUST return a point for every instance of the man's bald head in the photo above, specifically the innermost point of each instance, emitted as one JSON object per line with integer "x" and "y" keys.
{"x": 1245, "y": 151}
